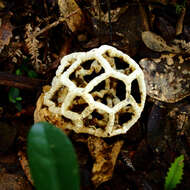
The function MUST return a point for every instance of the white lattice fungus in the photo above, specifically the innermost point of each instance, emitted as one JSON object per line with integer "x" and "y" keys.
{"x": 100, "y": 92}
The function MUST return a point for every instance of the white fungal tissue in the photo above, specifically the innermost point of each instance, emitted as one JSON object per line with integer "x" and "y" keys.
{"x": 100, "y": 92}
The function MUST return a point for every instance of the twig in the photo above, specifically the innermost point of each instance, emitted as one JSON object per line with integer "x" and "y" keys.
{"x": 179, "y": 26}
{"x": 45, "y": 7}
{"x": 144, "y": 17}
{"x": 60, "y": 20}
{"x": 22, "y": 82}
{"x": 109, "y": 17}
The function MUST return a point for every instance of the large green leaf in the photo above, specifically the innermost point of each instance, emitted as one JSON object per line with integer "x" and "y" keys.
{"x": 52, "y": 159}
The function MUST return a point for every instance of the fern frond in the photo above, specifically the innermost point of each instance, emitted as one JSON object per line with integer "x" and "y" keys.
{"x": 175, "y": 173}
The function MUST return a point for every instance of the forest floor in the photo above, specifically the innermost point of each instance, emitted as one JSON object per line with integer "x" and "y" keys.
{"x": 35, "y": 35}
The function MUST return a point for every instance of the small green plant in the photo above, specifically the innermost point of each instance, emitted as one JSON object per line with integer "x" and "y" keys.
{"x": 14, "y": 93}
{"x": 175, "y": 173}
{"x": 25, "y": 70}
{"x": 15, "y": 98}
{"x": 52, "y": 159}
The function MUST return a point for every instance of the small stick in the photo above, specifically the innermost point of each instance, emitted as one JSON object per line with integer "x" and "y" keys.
{"x": 60, "y": 20}
{"x": 144, "y": 17}
{"x": 21, "y": 82}
{"x": 179, "y": 26}
{"x": 109, "y": 17}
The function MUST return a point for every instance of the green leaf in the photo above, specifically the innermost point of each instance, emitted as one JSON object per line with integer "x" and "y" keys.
{"x": 52, "y": 159}
{"x": 32, "y": 74}
{"x": 18, "y": 106}
{"x": 13, "y": 94}
{"x": 175, "y": 173}
{"x": 18, "y": 72}
{"x": 18, "y": 98}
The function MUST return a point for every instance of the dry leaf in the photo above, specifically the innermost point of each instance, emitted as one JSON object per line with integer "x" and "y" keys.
{"x": 16, "y": 181}
{"x": 98, "y": 13}
{"x": 168, "y": 77}
{"x": 2, "y": 4}
{"x": 158, "y": 44}
{"x": 25, "y": 165}
{"x": 5, "y": 33}
{"x": 75, "y": 21}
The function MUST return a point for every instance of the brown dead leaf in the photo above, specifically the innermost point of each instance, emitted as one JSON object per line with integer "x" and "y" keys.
{"x": 98, "y": 13}
{"x": 25, "y": 165}
{"x": 13, "y": 181}
{"x": 180, "y": 113}
{"x": 105, "y": 158}
{"x": 2, "y": 4}
{"x": 158, "y": 44}
{"x": 167, "y": 77}
{"x": 67, "y": 7}
{"x": 5, "y": 33}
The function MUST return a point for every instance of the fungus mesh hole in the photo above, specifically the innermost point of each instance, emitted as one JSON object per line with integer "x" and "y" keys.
{"x": 110, "y": 92}
{"x": 85, "y": 72}
{"x": 59, "y": 96}
{"x": 78, "y": 105}
{"x": 135, "y": 91}
{"x": 118, "y": 63}
{"x": 97, "y": 119}
{"x": 123, "y": 116}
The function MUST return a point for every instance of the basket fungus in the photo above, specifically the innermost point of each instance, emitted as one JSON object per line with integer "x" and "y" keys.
{"x": 100, "y": 92}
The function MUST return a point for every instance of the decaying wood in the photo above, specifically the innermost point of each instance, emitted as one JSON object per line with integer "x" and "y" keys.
{"x": 22, "y": 82}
